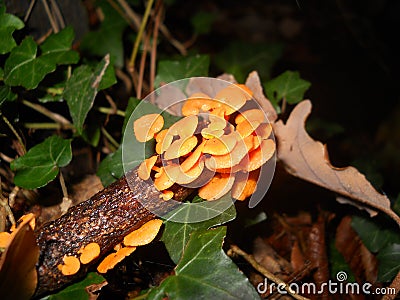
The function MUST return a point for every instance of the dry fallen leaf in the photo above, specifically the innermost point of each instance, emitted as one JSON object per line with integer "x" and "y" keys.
{"x": 308, "y": 159}
{"x": 254, "y": 84}
{"x": 18, "y": 277}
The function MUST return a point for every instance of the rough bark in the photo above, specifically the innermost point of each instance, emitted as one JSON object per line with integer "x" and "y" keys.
{"x": 105, "y": 219}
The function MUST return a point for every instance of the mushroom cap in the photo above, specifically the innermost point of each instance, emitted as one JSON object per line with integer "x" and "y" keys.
{"x": 245, "y": 184}
{"x": 193, "y": 158}
{"x": 220, "y": 146}
{"x": 181, "y": 147}
{"x": 198, "y": 102}
{"x": 259, "y": 156}
{"x": 146, "y": 126}
{"x": 71, "y": 265}
{"x": 233, "y": 97}
{"x": 112, "y": 259}
{"x": 227, "y": 160}
{"x": 163, "y": 180}
{"x": 254, "y": 114}
{"x": 245, "y": 128}
{"x": 89, "y": 252}
{"x": 145, "y": 167}
{"x": 218, "y": 186}
{"x": 144, "y": 235}
{"x": 184, "y": 127}
{"x": 264, "y": 130}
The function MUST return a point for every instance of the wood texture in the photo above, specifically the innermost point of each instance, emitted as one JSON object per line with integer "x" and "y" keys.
{"x": 105, "y": 219}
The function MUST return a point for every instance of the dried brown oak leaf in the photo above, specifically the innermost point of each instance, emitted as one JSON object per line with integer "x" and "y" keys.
{"x": 308, "y": 159}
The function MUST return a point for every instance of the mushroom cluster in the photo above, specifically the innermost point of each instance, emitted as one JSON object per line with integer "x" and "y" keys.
{"x": 224, "y": 136}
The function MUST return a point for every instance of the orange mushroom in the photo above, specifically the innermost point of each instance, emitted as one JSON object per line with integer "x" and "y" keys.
{"x": 250, "y": 115}
{"x": 144, "y": 235}
{"x": 89, "y": 252}
{"x": 163, "y": 141}
{"x": 167, "y": 195}
{"x": 208, "y": 133}
{"x": 163, "y": 180}
{"x": 259, "y": 156}
{"x": 191, "y": 174}
{"x": 233, "y": 97}
{"x": 181, "y": 147}
{"x": 198, "y": 102}
{"x": 28, "y": 218}
{"x": 184, "y": 127}
{"x": 245, "y": 89}
{"x": 5, "y": 239}
{"x": 245, "y": 128}
{"x": 191, "y": 160}
{"x": 146, "y": 126}
{"x": 220, "y": 146}
{"x": 264, "y": 130}
{"x": 70, "y": 266}
{"x": 145, "y": 167}
{"x": 245, "y": 184}
{"x": 218, "y": 186}
{"x": 112, "y": 259}
{"x": 228, "y": 160}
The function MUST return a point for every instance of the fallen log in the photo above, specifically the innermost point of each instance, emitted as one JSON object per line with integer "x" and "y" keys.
{"x": 104, "y": 219}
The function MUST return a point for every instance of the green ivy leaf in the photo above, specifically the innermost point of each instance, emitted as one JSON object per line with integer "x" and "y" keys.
{"x": 373, "y": 234}
{"x": 41, "y": 163}
{"x": 389, "y": 266}
{"x": 24, "y": 68}
{"x": 205, "y": 271}
{"x": 111, "y": 168}
{"x": 6, "y": 94}
{"x": 171, "y": 70}
{"x": 8, "y": 24}
{"x": 240, "y": 58}
{"x": 81, "y": 90}
{"x": 176, "y": 235}
{"x": 108, "y": 38}
{"x": 77, "y": 291}
{"x": 287, "y": 86}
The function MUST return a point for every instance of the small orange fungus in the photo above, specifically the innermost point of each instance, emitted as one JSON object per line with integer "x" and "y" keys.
{"x": 112, "y": 259}
{"x": 250, "y": 115}
{"x": 146, "y": 126}
{"x": 146, "y": 166}
{"x": 218, "y": 186}
{"x": 71, "y": 265}
{"x": 89, "y": 252}
{"x": 144, "y": 235}
{"x": 245, "y": 185}
{"x": 220, "y": 146}
{"x": 181, "y": 147}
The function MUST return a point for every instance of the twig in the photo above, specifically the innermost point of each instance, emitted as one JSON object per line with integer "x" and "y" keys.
{"x": 111, "y": 111}
{"x": 153, "y": 54}
{"x": 44, "y": 111}
{"x": 130, "y": 13}
{"x": 135, "y": 49}
{"x": 29, "y": 11}
{"x": 14, "y": 132}
{"x": 53, "y": 22}
{"x": 250, "y": 259}
{"x": 4, "y": 203}
{"x": 58, "y": 13}
{"x": 13, "y": 195}
{"x": 174, "y": 42}
{"x": 110, "y": 138}
{"x": 47, "y": 126}
{"x": 125, "y": 78}
{"x": 141, "y": 67}
{"x": 62, "y": 184}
